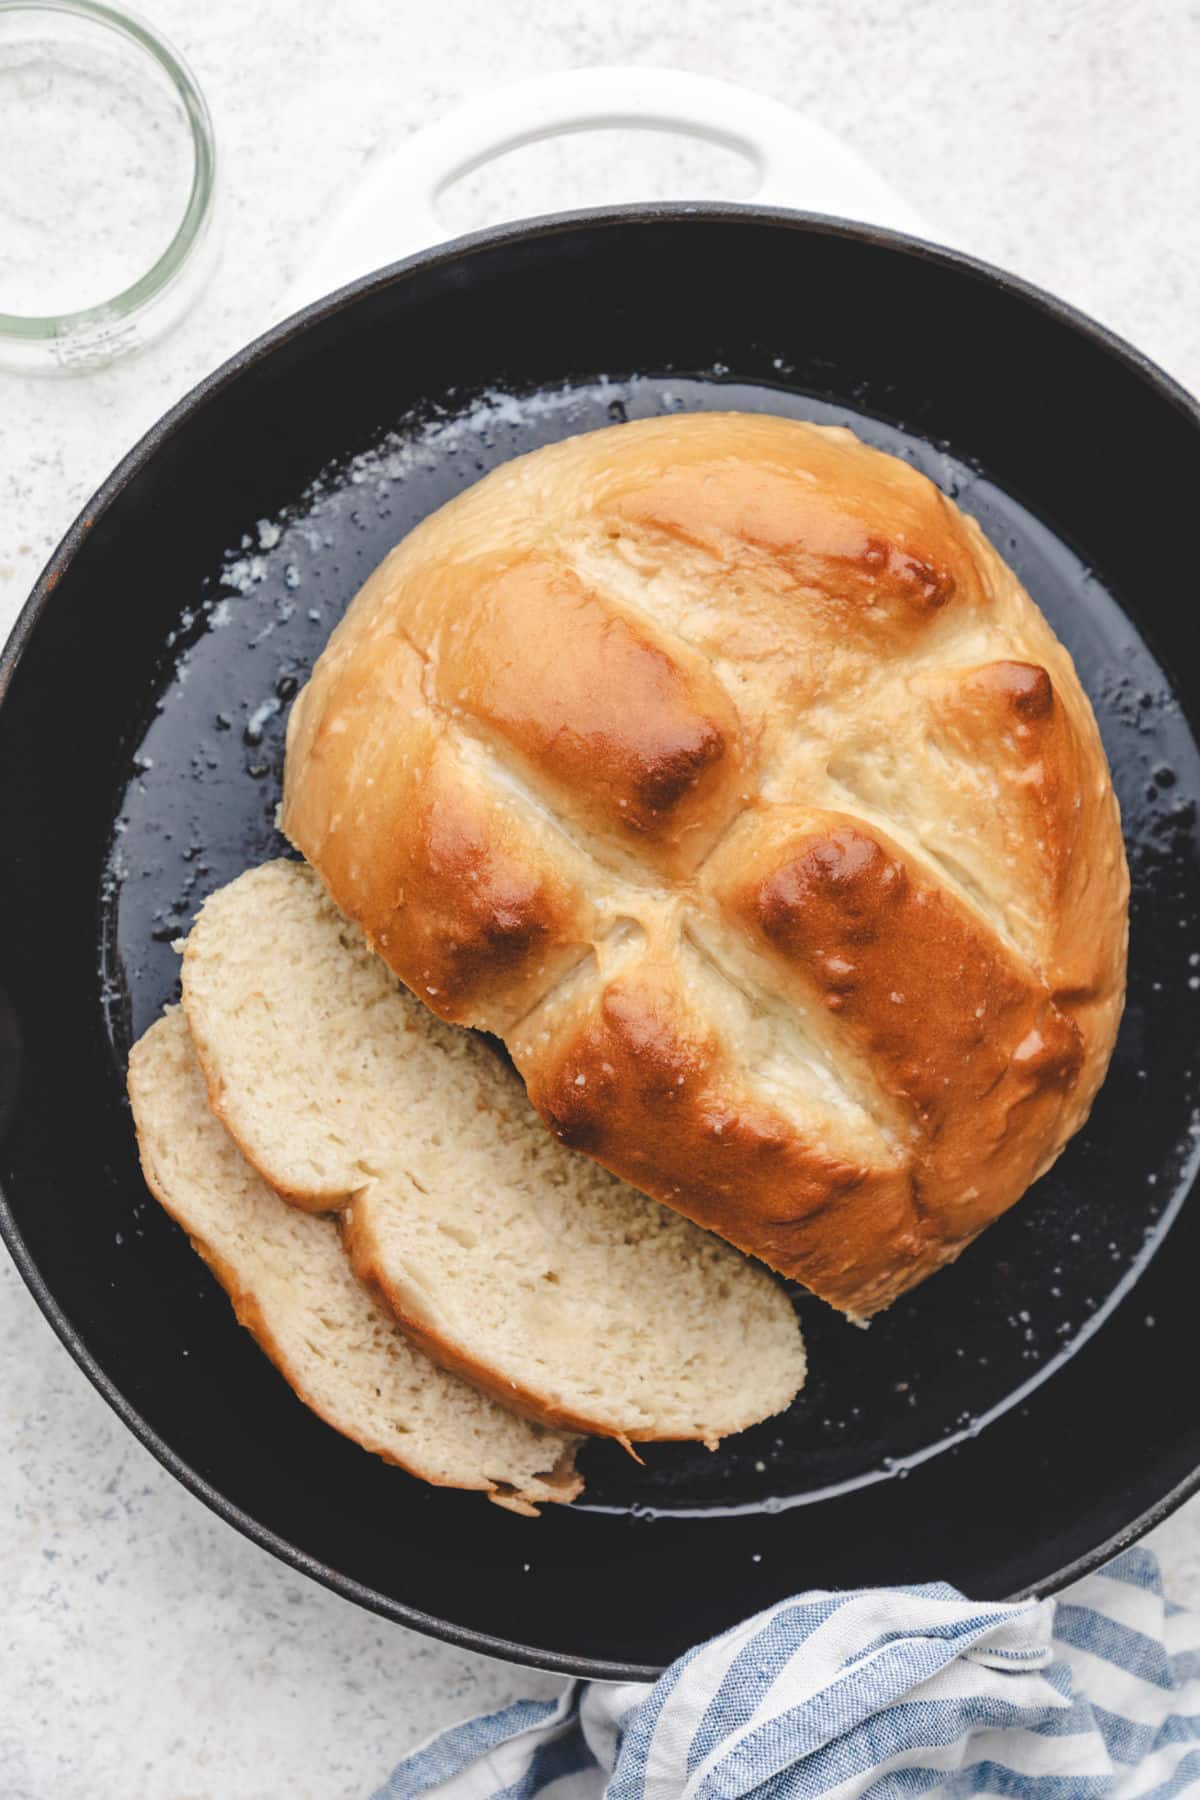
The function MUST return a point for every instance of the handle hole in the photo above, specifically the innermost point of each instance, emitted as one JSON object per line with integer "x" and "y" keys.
{"x": 595, "y": 168}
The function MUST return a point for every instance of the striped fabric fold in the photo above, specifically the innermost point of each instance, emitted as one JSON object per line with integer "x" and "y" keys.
{"x": 890, "y": 1693}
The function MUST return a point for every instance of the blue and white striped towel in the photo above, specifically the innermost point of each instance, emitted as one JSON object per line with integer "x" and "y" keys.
{"x": 887, "y": 1692}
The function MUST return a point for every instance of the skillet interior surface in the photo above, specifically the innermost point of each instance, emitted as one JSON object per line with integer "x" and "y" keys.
{"x": 997, "y": 1427}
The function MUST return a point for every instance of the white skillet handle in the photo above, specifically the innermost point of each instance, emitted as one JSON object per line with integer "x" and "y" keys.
{"x": 394, "y": 212}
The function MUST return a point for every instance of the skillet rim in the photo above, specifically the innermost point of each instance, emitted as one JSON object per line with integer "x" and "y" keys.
{"x": 209, "y": 388}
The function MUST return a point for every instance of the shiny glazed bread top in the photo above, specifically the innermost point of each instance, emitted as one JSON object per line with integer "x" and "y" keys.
{"x": 720, "y": 765}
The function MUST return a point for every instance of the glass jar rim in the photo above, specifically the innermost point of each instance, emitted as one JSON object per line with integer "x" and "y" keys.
{"x": 31, "y": 327}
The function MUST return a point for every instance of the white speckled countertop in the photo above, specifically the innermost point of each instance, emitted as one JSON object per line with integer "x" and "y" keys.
{"x": 147, "y": 1652}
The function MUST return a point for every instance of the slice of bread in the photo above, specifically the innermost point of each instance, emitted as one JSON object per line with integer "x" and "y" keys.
{"x": 292, "y": 1287}
{"x": 514, "y": 1261}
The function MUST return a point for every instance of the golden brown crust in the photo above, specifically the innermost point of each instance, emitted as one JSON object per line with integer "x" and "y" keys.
{"x": 458, "y": 890}
{"x": 1051, "y": 791}
{"x": 626, "y": 734}
{"x": 743, "y": 684}
{"x": 973, "y": 1052}
{"x": 642, "y": 1086}
{"x": 842, "y": 550}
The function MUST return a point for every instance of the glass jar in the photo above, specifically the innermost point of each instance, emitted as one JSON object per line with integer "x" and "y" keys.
{"x": 107, "y": 184}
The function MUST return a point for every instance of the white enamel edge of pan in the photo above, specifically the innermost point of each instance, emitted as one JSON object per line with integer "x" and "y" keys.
{"x": 393, "y": 213}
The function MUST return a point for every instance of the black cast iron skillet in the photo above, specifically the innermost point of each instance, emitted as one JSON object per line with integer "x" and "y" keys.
{"x": 1006, "y": 1426}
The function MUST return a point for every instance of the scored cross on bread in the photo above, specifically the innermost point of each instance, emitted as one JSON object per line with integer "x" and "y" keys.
{"x": 721, "y": 766}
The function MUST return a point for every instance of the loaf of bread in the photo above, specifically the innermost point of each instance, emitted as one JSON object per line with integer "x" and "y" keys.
{"x": 519, "y": 1264}
{"x": 293, "y": 1288}
{"x": 722, "y": 767}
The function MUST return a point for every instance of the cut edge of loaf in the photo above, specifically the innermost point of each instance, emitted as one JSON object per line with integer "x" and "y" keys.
{"x": 225, "y": 1112}
{"x": 726, "y": 1408}
{"x": 160, "y": 1055}
{"x": 370, "y": 1266}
